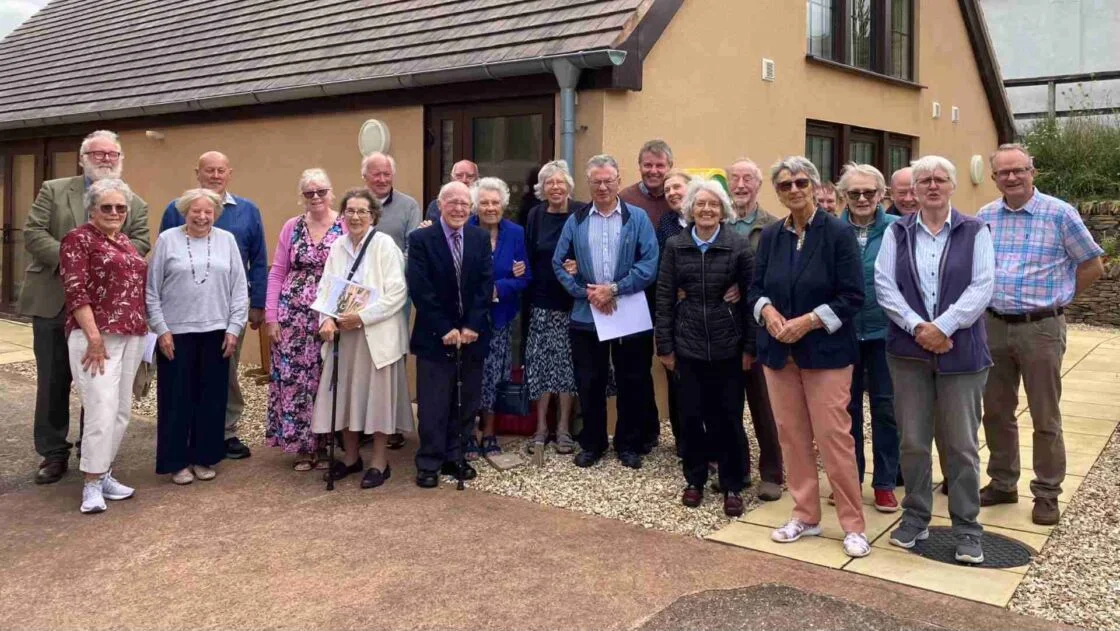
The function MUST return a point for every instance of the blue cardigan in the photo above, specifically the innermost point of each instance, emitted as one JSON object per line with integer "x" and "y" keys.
{"x": 871, "y": 320}
{"x": 637, "y": 258}
{"x": 510, "y": 248}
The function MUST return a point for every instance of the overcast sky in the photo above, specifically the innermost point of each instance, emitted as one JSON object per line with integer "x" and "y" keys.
{"x": 14, "y": 12}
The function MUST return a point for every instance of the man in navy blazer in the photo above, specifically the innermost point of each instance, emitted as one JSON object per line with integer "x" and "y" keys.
{"x": 450, "y": 282}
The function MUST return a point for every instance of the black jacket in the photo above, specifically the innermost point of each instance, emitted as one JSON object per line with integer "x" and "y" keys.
{"x": 702, "y": 326}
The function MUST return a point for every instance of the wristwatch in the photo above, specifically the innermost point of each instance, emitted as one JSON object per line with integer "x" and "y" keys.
{"x": 614, "y": 289}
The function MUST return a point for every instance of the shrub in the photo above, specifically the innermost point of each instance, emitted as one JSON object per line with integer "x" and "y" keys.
{"x": 1078, "y": 158}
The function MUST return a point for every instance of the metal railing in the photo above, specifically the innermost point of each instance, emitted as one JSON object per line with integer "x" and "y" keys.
{"x": 1051, "y": 84}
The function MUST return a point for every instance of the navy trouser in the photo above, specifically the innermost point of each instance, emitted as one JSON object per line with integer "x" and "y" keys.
{"x": 443, "y": 424}
{"x": 632, "y": 359}
{"x": 871, "y": 373}
{"x": 191, "y": 394}
{"x": 710, "y": 397}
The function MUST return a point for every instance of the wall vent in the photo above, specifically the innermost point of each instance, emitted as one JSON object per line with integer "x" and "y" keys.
{"x": 767, "y": 69}
{"x": 936, "y": 109}
{"x": 956, "y": 114}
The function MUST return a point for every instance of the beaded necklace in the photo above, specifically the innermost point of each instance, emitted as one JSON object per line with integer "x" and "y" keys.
{"x": 190, "y": 257}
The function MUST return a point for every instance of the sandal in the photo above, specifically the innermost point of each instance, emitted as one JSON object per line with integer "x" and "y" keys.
{"x": 540, "y": 439}
{"x": 472, "y": 452}
{"x": 564, "y": 442}
{"x": 322, "y": 461}
{"x": 490, "y": 445}
{"x": 304, "y": 463}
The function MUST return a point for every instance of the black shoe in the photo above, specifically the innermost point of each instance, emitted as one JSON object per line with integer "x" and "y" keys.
{"x": 396, "y": 441}
{"x": 586, "y": 459}
{"x": 375, "y": 478}
{"x": 52, "y": 470}
{"x": 427, "y": 479}
{"x": 648, "y": 446}
{"x": 990, "y": 496}
{"x": 630, "y": 459}
{"x": 236, "y": 450}
{"x": 340, "y": 469}
{"x": 452, "y": 469}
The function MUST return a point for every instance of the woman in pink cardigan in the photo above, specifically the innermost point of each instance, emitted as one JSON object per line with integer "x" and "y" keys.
{"x": 305, "y": 241}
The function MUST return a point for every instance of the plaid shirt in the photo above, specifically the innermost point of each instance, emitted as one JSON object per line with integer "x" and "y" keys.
{"x": 1038, "y": 249}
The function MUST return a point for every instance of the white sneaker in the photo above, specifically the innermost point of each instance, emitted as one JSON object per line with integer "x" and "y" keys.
{"x": 112, "y": 489}
{"x": 794, "y": 530}
{"x": 92, "y": 500}
{"x": 204, "y": 473}
{"x": 856, "y": 545}
{"x": 184, "y": 476}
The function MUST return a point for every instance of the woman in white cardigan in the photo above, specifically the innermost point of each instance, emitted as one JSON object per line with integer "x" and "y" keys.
{"x": 372, "y": 343}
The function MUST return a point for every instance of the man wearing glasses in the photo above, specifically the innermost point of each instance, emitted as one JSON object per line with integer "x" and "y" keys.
{"x": 1044, "y": 257}
{"x": 57, "y": 210}
{"x": 241, "y": 217}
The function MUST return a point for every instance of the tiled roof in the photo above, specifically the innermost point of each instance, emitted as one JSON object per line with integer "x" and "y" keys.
{"x": 80, "y": 59}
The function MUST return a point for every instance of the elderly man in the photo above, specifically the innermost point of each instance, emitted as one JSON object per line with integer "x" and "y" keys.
{"x": 1045, "y": 256}
{"x": 451, "y": 283}
{"x": 933, "y": 278}
{"x": 615, "y": 248}
{"x": 241, "y": 217}
{"x": 744, "y": 178}
{"x": 58, "y": 209}
{"x": 826, "y": 198}
{"x": 463, "y": 171}
{"x": 903, "y": 200}
{"x": 655, "y": 158}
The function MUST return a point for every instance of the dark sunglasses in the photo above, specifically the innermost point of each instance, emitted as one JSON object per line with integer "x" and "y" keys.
{"x": 801, "y": 183}
{"x": 113, "y": 209}
{"x": 855, "y": 195}
{"x": 321, "y": 193}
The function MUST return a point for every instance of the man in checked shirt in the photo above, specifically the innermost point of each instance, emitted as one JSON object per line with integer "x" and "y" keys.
{"x": 1044, "y": 257}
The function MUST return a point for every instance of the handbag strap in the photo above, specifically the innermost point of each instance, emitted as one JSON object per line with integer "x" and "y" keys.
{"x": 361, "y": 253}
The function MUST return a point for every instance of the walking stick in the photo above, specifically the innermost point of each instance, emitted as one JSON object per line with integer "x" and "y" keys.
{"x": 461, "y": 469}
{"x": 334, "y": 407}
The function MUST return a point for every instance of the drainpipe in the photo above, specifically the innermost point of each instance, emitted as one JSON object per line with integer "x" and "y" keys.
{"x": 567, "y": 75}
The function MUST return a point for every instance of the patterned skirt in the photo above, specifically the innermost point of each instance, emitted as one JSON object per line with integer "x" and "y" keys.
{"x": 496, "y": 368}
{"x": 548, "y": 354}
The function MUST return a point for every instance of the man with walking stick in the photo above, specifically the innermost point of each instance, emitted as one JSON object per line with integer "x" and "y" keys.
{"x": 450, "y": 281}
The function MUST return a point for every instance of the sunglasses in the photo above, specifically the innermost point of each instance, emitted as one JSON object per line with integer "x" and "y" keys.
{"x": 321, "y": 193}
{"x": 856, "y": 195}
{"x": 801, "y": 183}
{"x": 113, "y": 209}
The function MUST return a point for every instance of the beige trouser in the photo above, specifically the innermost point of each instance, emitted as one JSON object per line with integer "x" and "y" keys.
{"x": 107, "y": 398}
{"x": 235, "y": 404}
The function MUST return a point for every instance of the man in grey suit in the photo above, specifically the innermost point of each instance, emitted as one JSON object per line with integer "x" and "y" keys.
{"x": 58, "y": 209}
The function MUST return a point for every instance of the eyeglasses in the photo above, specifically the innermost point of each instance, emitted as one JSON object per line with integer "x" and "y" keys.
{"x": 321, "y": 193}
{"x": 101, "y": 155}
{"x": 1003, "y": 174}
{"x": 701, "y": 205}
{"x": 355, "y": 212}
{"x": 454, "y": 204}
{"x": 928, "y": 181}
{"x": 602, "y": 183}
{"x": 801, "y": 183}
{"x": 856, "y": 195}
{"x": 113, "y": 209}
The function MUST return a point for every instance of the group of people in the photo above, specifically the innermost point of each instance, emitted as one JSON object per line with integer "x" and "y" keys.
{"x": 797, "y": 316}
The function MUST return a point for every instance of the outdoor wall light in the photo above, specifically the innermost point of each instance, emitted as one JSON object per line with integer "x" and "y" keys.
{"x": 976, "y": 168}
{"x": 155, "y": 135}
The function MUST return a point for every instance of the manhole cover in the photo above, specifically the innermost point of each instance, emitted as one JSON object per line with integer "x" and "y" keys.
{"x": 999, "y": 551}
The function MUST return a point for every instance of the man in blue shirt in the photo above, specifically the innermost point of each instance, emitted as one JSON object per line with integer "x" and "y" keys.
{"x": 242, "y": 218}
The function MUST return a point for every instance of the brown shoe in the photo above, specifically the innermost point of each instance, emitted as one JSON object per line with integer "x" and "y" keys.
{"x": 692, "y": 496}
{"x": 732, "y": 504}
{"x": 1045, "y": 511}
{"x": 990, "y": 496}
{"x": 51, "y": 471}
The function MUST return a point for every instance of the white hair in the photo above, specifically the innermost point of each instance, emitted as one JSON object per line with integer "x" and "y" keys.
{"x": 99, "y": 188}
{"x": 600, "y": 161}
{"x": 852, "y": 168}
{"x": 313, "y": 175}
{"x": 375, "y": 155}
{"x": 700, "y": 185}
{"x": 190, "y": 196}
{"x": 796, "y": 165}
{"x": 101, "y": 133}
{"x": 451, "y": 173}
{"x": 446, "y": 189}
{"x": 926, "y": 165}
{"x": 545, "y": 174}
{"x": 493, "y": 184}
{"x": 751, "y": 166}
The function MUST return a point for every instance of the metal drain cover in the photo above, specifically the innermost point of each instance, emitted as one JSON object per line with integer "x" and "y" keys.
{"x": 999, "y": 551}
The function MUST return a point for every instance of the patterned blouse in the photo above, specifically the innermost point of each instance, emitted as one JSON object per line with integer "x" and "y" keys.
{"x": 108, "y": 275}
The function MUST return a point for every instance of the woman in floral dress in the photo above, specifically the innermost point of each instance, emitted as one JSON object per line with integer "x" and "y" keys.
{"x": 305, "y": 241}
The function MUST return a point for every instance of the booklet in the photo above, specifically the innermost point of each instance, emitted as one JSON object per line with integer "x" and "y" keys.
{"x": 339, "y": 297}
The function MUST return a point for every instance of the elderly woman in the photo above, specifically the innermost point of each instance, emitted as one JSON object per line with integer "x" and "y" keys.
{"x": 372, "y": 392}
{"x": 301, "y": 251}
{"x": 198, "y": 302}
{"x": 807, "y": 289}
{"x": 103, "y": 279}
{"x": 862, "y": 187}
{"x": 704, "y": 341}
{"x": 934, "y": 277}
{"x": 548, "y": 351}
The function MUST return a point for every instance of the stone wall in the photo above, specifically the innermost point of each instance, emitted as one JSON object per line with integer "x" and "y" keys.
{"x": 1100, "y": 304}
{"x": 1102, "y": 218}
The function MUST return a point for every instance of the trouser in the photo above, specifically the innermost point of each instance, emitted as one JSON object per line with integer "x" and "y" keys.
{"x": 765, "y": 429}
{"x": 632, "y": 359}
{"x": 811, "y": 405}
{"x": 106, "y": 398}
{"x": 948, "y": 407}
{"x": 1034, "y": 351}
{"x": 235, "y": 402}
{"x": 443, "y": 422}
{"x": 671, "y": 387}
{"x": 52, "y": 387}
{"x": 871, "y": 373}
{"x": 191, "y": 392}
{"x": 710, "y": 396}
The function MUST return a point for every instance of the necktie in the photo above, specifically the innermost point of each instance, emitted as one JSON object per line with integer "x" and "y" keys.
{"x": 457, "y": 257}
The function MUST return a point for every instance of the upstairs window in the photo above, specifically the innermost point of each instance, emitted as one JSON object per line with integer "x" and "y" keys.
{"x": 873, "y": 35}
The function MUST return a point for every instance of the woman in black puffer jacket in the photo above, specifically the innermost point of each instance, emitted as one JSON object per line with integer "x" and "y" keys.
{"x": 705, "y": 341}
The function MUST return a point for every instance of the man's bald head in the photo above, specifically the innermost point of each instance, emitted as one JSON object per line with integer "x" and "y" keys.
{"x": 213, "y": 172}
{"x": 464, "y": 171}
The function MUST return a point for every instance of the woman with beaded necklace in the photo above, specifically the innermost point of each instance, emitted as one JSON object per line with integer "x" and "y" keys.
{"x": 198, "y": 302}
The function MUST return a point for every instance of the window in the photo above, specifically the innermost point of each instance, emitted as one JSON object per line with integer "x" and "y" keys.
{"x": 873, "y": 35}
{"x": 830, "y": 146}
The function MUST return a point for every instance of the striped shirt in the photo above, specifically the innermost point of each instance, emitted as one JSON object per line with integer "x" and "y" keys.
{"x": 1038, "y": 248}
{"x": 928, "y": 249}
{"x": 604, "y": 231}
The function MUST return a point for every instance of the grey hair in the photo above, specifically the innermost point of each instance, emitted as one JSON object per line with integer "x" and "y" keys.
{"x": 926, "y": 165}
{"x": 100, "y": 133}
{"x": 796, "y": 165}
{"x": 602, "y": 160}
{"x": 97, "y": 188}
{"x": 313, "y": 175}
{"x": 490, "y": 184}
{"x": 183, "y": 204}
{"x": 452, "y": 171}
{"x": 547, "y": 171}
{"x": 446, "y": 188}
{"x": 699, "y": 185}
{"x": 657, "y": 147}
{"x": 1010, "y": 146}
{"x": 751, "y": 166}
{"x": 852, "y": 168}
{"x": 373, "y": 156}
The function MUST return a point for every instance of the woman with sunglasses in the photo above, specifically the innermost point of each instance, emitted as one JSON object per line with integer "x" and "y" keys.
{"x": 301, "y": 251}
{"x": 807, "y": 289}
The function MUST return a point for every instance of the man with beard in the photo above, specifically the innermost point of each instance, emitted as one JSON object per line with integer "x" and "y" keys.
{"x": 58, "y": 209}
{"x": 241, "y": 217}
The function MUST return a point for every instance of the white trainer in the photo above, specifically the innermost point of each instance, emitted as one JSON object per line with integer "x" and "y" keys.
{"x": 92, "y": 500}
{"x": 112, "y": 489}
{"x": 856, "y": 545}
{"x": 794, "y": 530}
{"x": 184, "y": 476}
{"x": 204, "y": 473}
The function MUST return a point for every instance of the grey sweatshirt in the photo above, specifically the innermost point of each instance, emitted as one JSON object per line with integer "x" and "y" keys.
{"x": 177, "y": 303}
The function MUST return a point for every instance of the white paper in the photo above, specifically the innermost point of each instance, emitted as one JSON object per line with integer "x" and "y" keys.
{"x": 631, "y": 315}
{"x": 339, "y": 297}
{"x": 150, "y": 347}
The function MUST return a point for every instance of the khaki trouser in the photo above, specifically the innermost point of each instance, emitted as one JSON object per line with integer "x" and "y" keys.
{"x": 236, "y": 403}
{"x": 1033, "y": 351}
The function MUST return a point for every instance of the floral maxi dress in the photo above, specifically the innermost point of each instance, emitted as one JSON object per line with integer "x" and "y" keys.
{"x": 296, "y": 360}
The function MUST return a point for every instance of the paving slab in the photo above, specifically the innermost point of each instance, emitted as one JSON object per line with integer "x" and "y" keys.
{"x": 775, "y": 514}
{"x": 986, "y": 585}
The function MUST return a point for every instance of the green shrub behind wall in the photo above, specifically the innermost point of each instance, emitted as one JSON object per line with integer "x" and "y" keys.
{"x": 1078, "y": 159}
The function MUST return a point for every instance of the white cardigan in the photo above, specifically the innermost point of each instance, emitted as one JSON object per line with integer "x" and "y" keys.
{"x": 382, "y": 268}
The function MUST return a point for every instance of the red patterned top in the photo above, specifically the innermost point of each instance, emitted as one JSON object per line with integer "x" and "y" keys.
{"x": 108, "y": 275}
